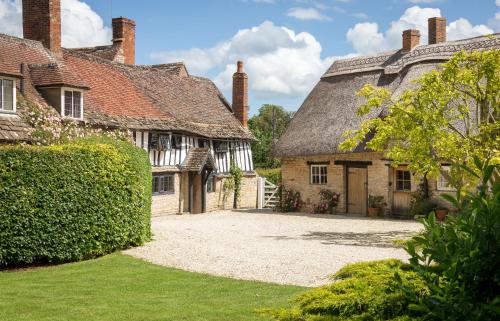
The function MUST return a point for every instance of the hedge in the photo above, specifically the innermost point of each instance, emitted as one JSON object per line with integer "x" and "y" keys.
{"x": 271, "y": 174}
{"x": 74, "y": 201}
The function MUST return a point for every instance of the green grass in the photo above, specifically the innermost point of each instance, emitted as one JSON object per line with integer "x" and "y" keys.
{"x": 120, "y": 287}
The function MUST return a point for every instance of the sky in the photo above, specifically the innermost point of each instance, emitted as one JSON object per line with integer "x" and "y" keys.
{"x": 286, "y": 44}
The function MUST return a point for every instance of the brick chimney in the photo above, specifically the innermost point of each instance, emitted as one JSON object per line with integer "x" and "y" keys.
{"x": 42, "y": 22}
{"x": 240, "y": 95}
{"x": 411, "y": 39}
{"x": 437, "y": 30}
{"x": 124, "y": 34}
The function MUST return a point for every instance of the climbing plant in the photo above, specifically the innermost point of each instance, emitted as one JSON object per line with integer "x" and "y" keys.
{"x": 236, "y": 175}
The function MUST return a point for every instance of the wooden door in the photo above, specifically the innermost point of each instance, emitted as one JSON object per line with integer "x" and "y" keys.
{"x": 402, "y": 190}
{"x": 356, "y": 191}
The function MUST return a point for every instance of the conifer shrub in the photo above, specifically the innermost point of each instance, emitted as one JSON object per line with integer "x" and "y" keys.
{"x": 73, "y": 201}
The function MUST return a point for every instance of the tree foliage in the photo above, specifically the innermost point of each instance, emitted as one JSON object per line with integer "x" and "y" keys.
{"x": 261, "y": 126}
{"x": 451, "y": 116}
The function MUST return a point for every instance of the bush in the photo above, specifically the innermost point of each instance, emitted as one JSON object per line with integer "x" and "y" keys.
{"x": 460, "y": 259}
{"x": 328, "y": 201}
{"x": 74, "y": 201}
{"x": 362, "y": 291}
{"x": 271, "y": 174}
{"x": 290, "y": 200}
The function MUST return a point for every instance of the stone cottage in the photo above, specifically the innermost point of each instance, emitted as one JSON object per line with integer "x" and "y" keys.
{"x": 190, "y": 131}
{"x": 311, "y": 159}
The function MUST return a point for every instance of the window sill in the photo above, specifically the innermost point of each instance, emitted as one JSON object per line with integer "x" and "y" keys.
{"x": 7, "y": 112}
{"x": 162, "y": 194}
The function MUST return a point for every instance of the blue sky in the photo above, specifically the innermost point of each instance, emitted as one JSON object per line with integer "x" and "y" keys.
{"x": 286, "y": 45}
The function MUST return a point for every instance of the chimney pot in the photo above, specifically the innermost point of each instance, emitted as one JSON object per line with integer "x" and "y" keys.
{"x": 240, "y": 94}
{"x": 42, "y": 22}
{"x": 124, "y": 34}
{"x": 411, "y": 39}
{"x": 437, "y": 30}
{"x": 240, "y": 66}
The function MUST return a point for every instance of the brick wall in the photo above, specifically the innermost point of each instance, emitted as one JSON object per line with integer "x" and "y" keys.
{"x": 411, "y": 39}
{"x": 42, "y": 22}
{"x": 124, "y": 34}
{"x": 240, "y": 95}
{"x": 437, "y": 30}
{"x": 167, "y": 203}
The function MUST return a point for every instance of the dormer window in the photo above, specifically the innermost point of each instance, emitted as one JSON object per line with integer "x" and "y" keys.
{"x": 7, "y": 95}
{"x": 73, "y": 104}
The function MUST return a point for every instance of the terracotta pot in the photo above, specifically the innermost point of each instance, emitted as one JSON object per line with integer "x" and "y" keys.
{"x": 373, "y": 211}
{"x": 441, "y": 214}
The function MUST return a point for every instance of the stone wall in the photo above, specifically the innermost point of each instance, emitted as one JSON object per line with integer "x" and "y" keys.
{"x": 166, "y": 204}
{"x": 296, "y": 176}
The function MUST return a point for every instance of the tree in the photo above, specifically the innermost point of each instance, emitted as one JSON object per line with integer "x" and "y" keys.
{"x": 267, "y": 126}
{"x": 451, "y": 117}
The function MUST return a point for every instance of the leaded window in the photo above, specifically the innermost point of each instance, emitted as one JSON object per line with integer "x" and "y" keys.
{"x": 72, "y": 104}
{"x": 7, "y": 92}
{"x": 163, "y": 184}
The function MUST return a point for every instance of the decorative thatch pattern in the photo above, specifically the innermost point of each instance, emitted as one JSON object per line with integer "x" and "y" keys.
{"x": 330, "y": 109}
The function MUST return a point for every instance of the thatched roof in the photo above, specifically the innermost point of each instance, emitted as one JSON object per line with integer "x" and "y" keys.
{"x": 330, "y": 108}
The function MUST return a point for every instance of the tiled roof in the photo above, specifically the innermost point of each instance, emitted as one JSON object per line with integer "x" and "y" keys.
{"x": 156, "y": 97}
{"x": 197, "y": 159}
{"x": 12, "y": 128}
{"x": 55, "y": 74}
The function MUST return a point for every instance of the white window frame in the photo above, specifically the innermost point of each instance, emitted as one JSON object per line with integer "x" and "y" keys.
{"x": 63, "y": 102}
{"x": 14, "y": 100}
{"x": 442, "y": 183}
{"x": 320, "y": 176}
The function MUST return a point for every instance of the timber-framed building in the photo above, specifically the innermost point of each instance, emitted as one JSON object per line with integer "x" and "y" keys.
{"x": 190, "y": 131}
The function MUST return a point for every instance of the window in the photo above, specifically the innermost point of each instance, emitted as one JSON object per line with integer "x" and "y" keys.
{"x": 203, "y": 143}
{"x": 7, "y": 95}
{"x": 211, "y": 184}
{"x": 319, "y": 174}
{"x": 221, "y": 146}
{"x": 159, "y": 141}
{"x": 442, "y": 183}
{"x": 72, "y": 104}
{"x": 176, "y": 141}
{"x": 403, "y": 180}
{"x": 163, "y": 184}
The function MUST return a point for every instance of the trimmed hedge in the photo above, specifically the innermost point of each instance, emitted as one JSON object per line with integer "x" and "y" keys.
{"x": 74, "y": 201}
{"x": 271, "y": 174}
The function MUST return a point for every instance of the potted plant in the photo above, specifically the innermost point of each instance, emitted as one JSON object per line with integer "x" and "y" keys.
{"x": 441, "y": 213}
{"x": 375, "y": 205}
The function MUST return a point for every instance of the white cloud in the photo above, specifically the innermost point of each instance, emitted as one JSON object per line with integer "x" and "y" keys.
{"x": 462, "y": 28}
{"x": 306, "y": 14}
{"x": 279, "y": 62}
{"x": 10, "y": 17}
{"x": 360, "y": 15}
{"x": 497, "y": 2}
{"x": 81, "y": 26}
{"x": 367, "y": 39}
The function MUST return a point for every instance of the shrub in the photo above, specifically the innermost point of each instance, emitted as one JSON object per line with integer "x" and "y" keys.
{"x": 74, "y": 201}
{"x": 328, "y": 201}
{"x": 271, "y": 174}
{"x": 361, "y": 291}
{"x": 460, "y": 259}
{"x": 290, "y": 200}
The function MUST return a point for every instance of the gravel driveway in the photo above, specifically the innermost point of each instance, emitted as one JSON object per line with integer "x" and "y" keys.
{"x": 281, "y": 248}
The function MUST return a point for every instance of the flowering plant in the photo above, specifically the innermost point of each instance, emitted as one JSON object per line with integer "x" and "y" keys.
{"x": 328, "y": 201}
{"x": 289, "y": 200}
{"x": 47, "y": 127}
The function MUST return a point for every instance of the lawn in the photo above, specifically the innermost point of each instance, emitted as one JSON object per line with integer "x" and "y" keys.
{"x": 119, "y": 287}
